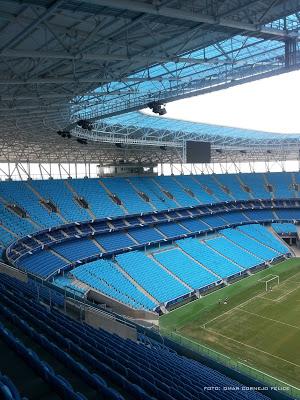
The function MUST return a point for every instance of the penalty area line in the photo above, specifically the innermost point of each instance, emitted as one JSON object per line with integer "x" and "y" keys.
{"x": 252, "y": 347}
{"x": 270, "y": 319}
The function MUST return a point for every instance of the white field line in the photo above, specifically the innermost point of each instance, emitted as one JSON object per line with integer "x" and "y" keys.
{"x": 201, "y": 345}
{"x": 270, "y": 376}
{"x": 267, "y": 298}
{"x": 267, "y": 277}
{"x": 229, "y": 311}
{"x": 286, "y": 294}
{"x": 270, "y": 319}
{"x": 248, "y": 301}
{"x": 252, "y": 347}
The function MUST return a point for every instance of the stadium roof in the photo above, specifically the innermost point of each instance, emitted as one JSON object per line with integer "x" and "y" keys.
{"x": 61, "y": 61}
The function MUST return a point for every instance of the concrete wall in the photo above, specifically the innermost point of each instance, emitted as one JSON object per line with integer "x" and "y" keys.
{"x": 120, "y": 308}
{"x": 104, "y": 321}
{"x": 14, "y": 272}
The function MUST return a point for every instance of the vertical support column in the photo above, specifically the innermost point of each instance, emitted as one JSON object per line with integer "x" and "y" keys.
{"x": 290, "y": 52}
{"x": 184, "y": 152}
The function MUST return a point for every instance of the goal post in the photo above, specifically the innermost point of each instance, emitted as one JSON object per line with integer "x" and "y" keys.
{"x": 270, "y": 281}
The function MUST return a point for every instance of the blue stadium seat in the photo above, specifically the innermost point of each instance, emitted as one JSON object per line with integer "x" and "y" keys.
{"x": 147, "y": 273}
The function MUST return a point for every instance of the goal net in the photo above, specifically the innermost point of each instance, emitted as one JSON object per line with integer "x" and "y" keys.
{"x": 270, "y": 281}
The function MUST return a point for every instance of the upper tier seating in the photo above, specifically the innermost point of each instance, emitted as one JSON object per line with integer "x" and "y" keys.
{"x": 257, "y": 185}
{"x": 6, "y": 237}
{"x": 103, "y": 275}
{"x": 209, "y": 182}
{"x": 102, "y": 365}
{"x": 192, "y": 184}
{"x": 130, "y": 198}
{"x": 281, "y": 183}
{"x": 187, "y": 190}
{"x": 18, "y": 192}
{"x": 156, "y": 196}
{"x": 98, "y": 200}
{"x": 231, "y": 182}
{"x": 20, "y": 226}
{"x": 180, "y": 196}
{"x": 216, "y": 263}
{"x": 147, "y": 273}
{"x": 57, "y": 192}
{"x": 188, "y": 270}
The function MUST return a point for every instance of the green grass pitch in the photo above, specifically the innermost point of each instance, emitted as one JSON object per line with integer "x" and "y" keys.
{"x": 257, "y": 330}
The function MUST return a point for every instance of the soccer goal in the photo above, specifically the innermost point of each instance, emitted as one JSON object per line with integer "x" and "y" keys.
{"x": 270, "y": 281}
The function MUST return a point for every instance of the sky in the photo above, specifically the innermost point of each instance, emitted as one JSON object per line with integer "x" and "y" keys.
{"x": 270, "y": 105}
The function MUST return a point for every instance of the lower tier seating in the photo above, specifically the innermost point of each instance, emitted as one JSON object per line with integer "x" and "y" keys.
{"x": 234, "y": 252}
{"x": 210, "y": 259}
{"x": 104, "y": 276}
{"x": 188, "y": 270}
{"x": 147, "y": 273}
{"x": 250, "y": 244}
{"x": 94, "y": 364}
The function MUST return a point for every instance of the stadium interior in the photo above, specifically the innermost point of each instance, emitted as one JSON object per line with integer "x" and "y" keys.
{"x": 138, "y": 259}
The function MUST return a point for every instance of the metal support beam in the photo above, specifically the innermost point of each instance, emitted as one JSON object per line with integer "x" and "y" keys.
{"x": 183, "y": 14}
{"x": 116, "y": 57}
{"x": 27, "y": 31}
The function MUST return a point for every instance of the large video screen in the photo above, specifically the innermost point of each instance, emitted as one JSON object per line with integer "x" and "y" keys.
{"x": 197, "y": 152}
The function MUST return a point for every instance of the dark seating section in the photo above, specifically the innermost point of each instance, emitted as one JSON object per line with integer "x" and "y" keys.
{"x": 110, "y": 366}
{"x": 8, "y": 390}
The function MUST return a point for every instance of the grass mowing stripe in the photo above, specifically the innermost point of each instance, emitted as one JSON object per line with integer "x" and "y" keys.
{"x": 265, "y": 332}
{"x": 269, "y": 319}
{"x": 252, "y": 347}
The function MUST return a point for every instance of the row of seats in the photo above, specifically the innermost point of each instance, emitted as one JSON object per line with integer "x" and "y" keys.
{"x": 103, "y": 275}
{"x": 235, "y": 253}
{"x": 151, "y": 277}
{"x": 35, "y": 289}
{"x": 216, "y": 263}
{"x": 284, "y": 228}
{"x": 185, "y": 268}
{"x": 186, "y": 191}
{"x": 263, "y": 235}
{"x": 114, "y": 368}
{"x": 8, "y": 390}
{"x": 249, "y": 244}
